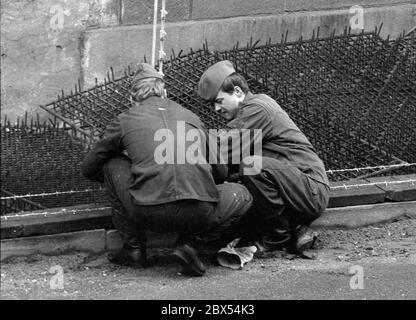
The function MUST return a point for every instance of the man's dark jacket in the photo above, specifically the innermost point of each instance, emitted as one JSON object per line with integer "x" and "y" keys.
{"x": 134, "y": 132}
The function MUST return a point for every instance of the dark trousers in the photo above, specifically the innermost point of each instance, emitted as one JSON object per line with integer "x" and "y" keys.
{"x": 284, "y": 197}
{"x": 191, "y": 218}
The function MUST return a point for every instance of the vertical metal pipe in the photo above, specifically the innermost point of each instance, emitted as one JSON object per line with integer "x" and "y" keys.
{"x": 154, "y": 32}
{"x": 162, "y": 53}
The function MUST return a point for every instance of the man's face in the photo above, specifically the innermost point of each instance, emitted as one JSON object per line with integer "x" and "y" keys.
{"x": 228, "y": 103}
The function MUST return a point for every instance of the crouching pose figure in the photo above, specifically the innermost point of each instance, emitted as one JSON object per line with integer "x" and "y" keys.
{"x": 290, "y": 187}
{"x": 152, "y": 161}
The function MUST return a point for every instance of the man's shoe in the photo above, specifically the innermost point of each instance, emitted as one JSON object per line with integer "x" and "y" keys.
{"x": 304, "y": 239}
{"x": 276, "y": 239}
{"x": 188, "y": 258}
{"x": 130, "y": 256}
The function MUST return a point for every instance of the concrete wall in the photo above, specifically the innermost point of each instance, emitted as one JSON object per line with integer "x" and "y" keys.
{"x": 40, "y": 48}
{"x": 46, "y": 45}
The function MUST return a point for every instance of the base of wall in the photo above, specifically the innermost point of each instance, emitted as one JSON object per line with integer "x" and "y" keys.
{"x": 101, "y": 241}
{"x": 26, "y": 234}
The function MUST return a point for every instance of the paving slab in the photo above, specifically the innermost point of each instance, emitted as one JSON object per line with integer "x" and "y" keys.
{"x": 89, "y": 241}
{"x": 360, "y": 216}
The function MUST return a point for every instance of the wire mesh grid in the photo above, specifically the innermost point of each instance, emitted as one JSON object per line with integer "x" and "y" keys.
{"x": 353, "y": 95}
{"x": 43, "y": 158}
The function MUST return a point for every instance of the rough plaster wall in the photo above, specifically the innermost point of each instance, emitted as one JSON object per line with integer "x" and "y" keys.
{"x": 101, "y": 45}
{"x": 40, "y": 48}
{"x": 141, "y": 12}
{"x": 212, "y": 9}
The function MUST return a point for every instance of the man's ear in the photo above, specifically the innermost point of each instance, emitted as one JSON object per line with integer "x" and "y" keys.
{"x": 239, "y": 92}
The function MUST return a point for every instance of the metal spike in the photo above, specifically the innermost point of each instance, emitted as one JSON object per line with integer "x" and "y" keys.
{"x": 112, "y": 73}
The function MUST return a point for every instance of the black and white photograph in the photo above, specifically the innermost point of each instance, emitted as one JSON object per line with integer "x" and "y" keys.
{"x": 204, "y": 156}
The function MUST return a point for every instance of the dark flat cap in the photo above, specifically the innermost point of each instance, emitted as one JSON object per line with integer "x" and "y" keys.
{"x": 213, "y": 78}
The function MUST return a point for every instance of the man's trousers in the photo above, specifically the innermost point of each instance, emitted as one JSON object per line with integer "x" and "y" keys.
{"x": 284, "y": 197}
{"x": 208, "y": 221}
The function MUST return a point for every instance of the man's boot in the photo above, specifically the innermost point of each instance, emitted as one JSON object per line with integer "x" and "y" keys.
{"x": 276, "y": 234}
{"x": 303, "y": 239}
{"x": 133, "y": 256}
{"x": 187, "y": 256}
{"x": 276, "y": 239}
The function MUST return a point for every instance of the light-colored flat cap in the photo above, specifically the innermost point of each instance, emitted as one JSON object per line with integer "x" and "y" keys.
{"x": 144, "y": 71}
{"x": 212, "y": 79}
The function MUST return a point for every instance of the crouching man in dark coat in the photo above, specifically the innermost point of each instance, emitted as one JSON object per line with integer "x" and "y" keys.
{"x": 290, "y": 187}
{"x": 165, "y": 183}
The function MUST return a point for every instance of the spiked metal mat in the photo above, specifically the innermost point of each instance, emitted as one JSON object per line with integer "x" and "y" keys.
{"x": 353, "y": 95}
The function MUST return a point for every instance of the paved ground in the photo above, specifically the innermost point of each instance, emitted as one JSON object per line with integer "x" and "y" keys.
{"x": 384, "y": 255}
